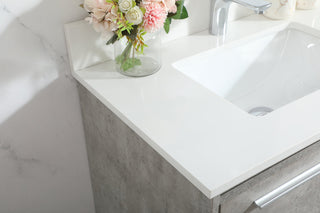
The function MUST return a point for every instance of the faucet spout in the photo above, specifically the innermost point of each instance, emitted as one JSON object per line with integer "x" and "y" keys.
{"x": 220, "y": 12}
{"x": 259, "y": 6}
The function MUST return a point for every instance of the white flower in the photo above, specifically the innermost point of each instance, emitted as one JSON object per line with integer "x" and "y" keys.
{"x": 125, "y": 5}
{"x": 134, "y": 15}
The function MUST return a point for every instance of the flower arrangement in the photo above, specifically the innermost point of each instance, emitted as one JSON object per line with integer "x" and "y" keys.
{"x": 132, "y": 19}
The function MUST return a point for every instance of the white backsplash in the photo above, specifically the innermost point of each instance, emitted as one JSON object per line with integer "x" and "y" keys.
{"x": 89, "y": 49}
{"x": 199, "y": 13}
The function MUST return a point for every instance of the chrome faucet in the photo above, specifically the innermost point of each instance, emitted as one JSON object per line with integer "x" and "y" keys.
{"x": 220, "y": 12}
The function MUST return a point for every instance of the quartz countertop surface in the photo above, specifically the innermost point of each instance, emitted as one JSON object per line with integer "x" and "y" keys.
{"x": 214, "y": 144}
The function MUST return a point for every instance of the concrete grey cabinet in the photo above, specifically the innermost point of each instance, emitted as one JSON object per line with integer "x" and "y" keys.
{"x": 127, "y": 175}
{"x": 303, "y": 199}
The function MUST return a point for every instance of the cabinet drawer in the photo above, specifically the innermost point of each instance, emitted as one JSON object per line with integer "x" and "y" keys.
{"x": 291, "y": 186}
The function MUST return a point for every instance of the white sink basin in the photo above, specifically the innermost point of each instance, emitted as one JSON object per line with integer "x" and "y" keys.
{"x": 268, "y": 70}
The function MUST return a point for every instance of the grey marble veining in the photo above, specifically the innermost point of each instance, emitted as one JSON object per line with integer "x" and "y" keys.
{"x": 23, "y": 164}
{"x": 43, "y": 160}
{"x": 127, "y": 174}
{"x": 45, "y": 43}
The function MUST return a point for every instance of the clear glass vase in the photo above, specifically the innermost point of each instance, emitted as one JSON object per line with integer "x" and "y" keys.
{"x": 130, "y": 62}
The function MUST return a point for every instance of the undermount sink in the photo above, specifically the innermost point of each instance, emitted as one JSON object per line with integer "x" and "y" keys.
{"x": 261, "y": 73}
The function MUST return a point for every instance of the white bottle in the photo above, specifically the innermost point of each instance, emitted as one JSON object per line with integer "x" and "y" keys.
{"x": 306, "y": 4}
{"x": 281, "y": 9}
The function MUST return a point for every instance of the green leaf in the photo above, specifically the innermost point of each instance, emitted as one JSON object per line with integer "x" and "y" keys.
{"x": 132, "y": 33}
{"x": 181, "y": 13}
{"x": 130, "y": 63}
{"x": 113, "y": 39}
{"x": 119, "y": 59}
{"x": 184, "y": 13}
{"x": 167, "y": 25}
{"x": 180, "y": 6}
{"x": 143, "y": 10}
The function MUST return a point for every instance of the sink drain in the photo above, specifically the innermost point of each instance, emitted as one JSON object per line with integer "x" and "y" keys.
{"x": 260, "y": 111}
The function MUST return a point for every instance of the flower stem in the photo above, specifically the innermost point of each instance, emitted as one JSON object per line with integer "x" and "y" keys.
{"x": 133, "y": 50}
{"x": 124, "y": 59}
{"x": 127, "y": 50}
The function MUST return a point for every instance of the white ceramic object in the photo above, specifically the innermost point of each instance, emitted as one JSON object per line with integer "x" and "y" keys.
{"x": 306, "y": 4}
{"x": 281, "y": 9}
{"x": 269, "y": 71}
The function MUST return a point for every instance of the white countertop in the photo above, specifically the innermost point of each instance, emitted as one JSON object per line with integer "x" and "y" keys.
{"x": 211, "y": 142}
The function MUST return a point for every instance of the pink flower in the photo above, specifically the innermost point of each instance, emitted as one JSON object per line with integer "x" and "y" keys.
{"x": 91, "y": 5}
{"x": 154, "y": 16}
{"x": 102, "y": 15}
{"x": 170, "y": 5}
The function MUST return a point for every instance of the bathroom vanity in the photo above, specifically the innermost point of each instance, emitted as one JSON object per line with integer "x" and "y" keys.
{"x": 129, "y": 176}
{"x": 175, "y": 142}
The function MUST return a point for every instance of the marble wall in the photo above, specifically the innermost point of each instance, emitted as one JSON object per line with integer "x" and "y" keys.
{"x": 43, "y": 161}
